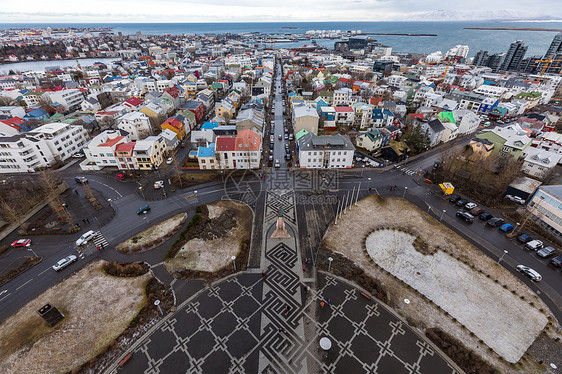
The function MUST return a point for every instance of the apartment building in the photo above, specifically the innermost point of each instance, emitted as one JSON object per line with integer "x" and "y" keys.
{"x": 325, "y": 151}
{"x": 100, "y": 152}
{"x": 23, "y": 154}
{"x": 149, "y": 153}
{"x": 137, "y": 124}
{"x": 63, "y": 139}
{"x": 70, "y": 98}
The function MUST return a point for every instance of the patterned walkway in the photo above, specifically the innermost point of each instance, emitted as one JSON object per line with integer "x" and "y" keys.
{"x": 247, "y": 324}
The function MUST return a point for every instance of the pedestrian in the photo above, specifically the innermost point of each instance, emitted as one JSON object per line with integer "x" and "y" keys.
{"x": 263, "y": 275}
{"x": 390, "y": 189}
{"x": 101, "y": 245}
{"x": 98, "y": 247}
{"x": 287, "y": 307}
{"x": 328, "y": 301}
{"x": 76, "y": 191}
{"x": 322, "y": 305}
{"x": 303, "y": 267}
{"x": 88, "y": 220}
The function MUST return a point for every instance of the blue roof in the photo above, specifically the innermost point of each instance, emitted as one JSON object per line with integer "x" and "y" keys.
{"x": 206, "y": 151}
{"x": 37, "y": 113}
{"x": 377, "y": 113}
{"x": 209, "y": 125}
{"x": 388, "y": 112}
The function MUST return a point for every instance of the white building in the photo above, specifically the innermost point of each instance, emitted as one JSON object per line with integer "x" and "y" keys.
{"x": 325, "y": 151}
{"x": 63, "y": 139}
{"x": 538, "y": 162}
{"x": 100, "y": 151}
{"x": 12, "y": 111}
{"x": 137, "y": 124}
{"x": 342, "y": 96}
{"x": 458, "y": 50}
{"x": 23, "y": 154}
{"x": 70, "y": 98}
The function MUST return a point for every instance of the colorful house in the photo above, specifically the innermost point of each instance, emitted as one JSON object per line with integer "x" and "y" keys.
{"x": 175, "y": 124}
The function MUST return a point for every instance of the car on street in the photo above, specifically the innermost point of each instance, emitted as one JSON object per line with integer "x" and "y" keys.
{"x": 557, "y": 261}
{"x": 515, "y": 199}
{"x": 81, "y": 180}
{"x": 277, "y": 164}
{"x": 291, "y": 137}
{"x": 84, "y": 239}
{"x": 524, "y": 238}
{"x": 270, "y": 158}
{"x": 485, "y": 216}
{"x": 534, "y": 275}
{"x": 280, "y": 137}
{"x": 143, "y": 209}
{"x": 170, "y": 160}
{"x": 469, "y": 206}
{"x": 78, "y": 154}
{"x": 534, "y": 245}
{"x": 454, "y": 199}
{"x": 21, "y": 243}
{"x": 461, "y": 202}
{"x": 121, "y": 176}
{"x": 477, "y": 211}
{"x": 466, "y": 216}
{"x": 546, "y": 252}
{"x": 506, "y": 227}
{"x": 64, "y": 262}
{"x": 286, "y": 137}
{"x": 288, "y": 156}
{"x": 158, "y": 184}
{"x": 495, "y": 221}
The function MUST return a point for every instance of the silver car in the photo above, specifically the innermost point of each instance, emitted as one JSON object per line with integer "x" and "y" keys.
{"x": 64, "y": 262}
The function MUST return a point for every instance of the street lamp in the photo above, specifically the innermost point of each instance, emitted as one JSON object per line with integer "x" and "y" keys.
{"x": 404, "y": 194}
{"x": 157, "y": 303}
{"x": 233, "y": 258}
{"x": 146, "y": 217}
{"x": 32, "y": 251}
{"x": 552, "y": 367}
{"x": 440, "y": 218}
{"x": 501, "y": 258}
{"x": 330, "y": 263}
{"x": 406, "y": 302}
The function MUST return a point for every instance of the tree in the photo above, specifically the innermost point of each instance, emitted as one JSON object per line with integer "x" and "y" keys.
{"x": 11, "y": 72}
{"x": 417, "y": 139}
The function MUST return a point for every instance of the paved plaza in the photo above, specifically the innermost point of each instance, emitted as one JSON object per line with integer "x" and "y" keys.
{"x": 249, "y": 323}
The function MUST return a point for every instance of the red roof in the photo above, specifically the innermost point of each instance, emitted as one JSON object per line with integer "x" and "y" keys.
{"x": 225, "y": 143}
{"x": 375, "y": 100}
{"x": 125, "y": 147}
{"x": 173, "y": 91}
{"x": 133, "y": 101}
{"x": 247, "y": 140}
{"x": 107, "y": 113}
{"x": 13, "y": 122}
{"x": 174, "y": 122}
{"x": 111, "y": 142}
{"x": 342, "y": 109}
{"x": 344, "y": 80}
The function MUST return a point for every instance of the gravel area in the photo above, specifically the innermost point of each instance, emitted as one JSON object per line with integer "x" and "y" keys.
{"x": 97, "y": 308}
{"x": 470, "y": 297}
{"x": 153, "y": 234}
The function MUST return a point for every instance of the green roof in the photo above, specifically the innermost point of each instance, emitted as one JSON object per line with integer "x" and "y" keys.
{"x": 300, "y": 134}
{"x": 446, "y": 117}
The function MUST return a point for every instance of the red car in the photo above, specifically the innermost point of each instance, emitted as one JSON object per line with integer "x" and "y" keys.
{"x": 21, "y": 243}
{"x": 121, "y": 176}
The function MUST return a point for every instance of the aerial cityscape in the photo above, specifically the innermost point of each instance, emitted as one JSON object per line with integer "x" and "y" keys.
{"x": 299, "y": 187}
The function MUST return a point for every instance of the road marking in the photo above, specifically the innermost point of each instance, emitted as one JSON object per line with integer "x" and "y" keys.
{"x": 103, "y": 184}
{"x": 3, "y": 292}
{"x": 5, "y": 296}
{"x": 43, "y": 271}
{"x": 24, "y": 284}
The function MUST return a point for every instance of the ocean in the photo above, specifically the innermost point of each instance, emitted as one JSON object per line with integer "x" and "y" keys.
{"x": 449, "y": 34}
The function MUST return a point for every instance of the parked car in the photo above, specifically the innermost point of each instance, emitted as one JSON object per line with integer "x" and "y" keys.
{"x": 515, "y": 199}
{"x": 477, "y": 211}
{"x": 288, "y": 156}
{"x": 546, "y": 252}
{"x": 270, "y": 158}
{"x": 291, "y": 137}
{"x": 142, "y": 209}
{"x": 286, "y": 137}
{"x": 485, "y": 216}
{"x": 64, "y": 262}
{"x": 461, "y": 202}
{"x": 78, "y": 154}
{"x": 470, "y": 206}
{"x": 158, "y": 184}
{"x": 170, "y": 160}
{"x": 524, "y": 238}
{"x": 557, "y": 261}
{"x": 84, "y": 239}
{"x": 495, "y": 222}
{"x": 454, "y": 199}
{"x": 277, "y": 164}
{"x": 121, "y": 176}
{"x": 534, "y": 245}
{"x": 466, "y": 216}
{"x": 81, "y": 180}
{"x": 21, "y": 243}
{"x": 506, "y": 227}
{"x": 535, "y": 276}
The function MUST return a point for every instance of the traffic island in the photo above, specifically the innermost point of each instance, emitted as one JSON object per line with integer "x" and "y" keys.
{"x": 97, "y": 308}
{"x": 207, "y": 247}
{"x": 153, "y": 236}
{"x": 385, "y": 236}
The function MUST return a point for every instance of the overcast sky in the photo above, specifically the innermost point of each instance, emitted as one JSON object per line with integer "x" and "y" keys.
{"x": 59, "y": 11}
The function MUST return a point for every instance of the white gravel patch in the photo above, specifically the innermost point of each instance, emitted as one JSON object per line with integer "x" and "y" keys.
{"x": 504, "y": 322}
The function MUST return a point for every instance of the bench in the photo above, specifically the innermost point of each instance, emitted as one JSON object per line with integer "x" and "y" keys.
{"x": 124, "y": 360}
{"x": 366, "y": 296}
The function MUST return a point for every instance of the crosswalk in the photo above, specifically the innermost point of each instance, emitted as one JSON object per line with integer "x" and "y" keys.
{"x": 98, "y": 241}
{"x": 408, "y": 171}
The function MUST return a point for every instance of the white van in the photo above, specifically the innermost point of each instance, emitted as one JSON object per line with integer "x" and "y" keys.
{"x": 84, "y": 239}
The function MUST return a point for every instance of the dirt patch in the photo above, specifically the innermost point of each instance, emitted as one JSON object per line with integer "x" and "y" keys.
{"x": 374, "y": 212}
{"x": 152, "y": 236}
{"x": 211, "y": 247}
{"x": 97, "y": 309}
{"x": 464, "y": 357}
{"x": 27, "y": 264}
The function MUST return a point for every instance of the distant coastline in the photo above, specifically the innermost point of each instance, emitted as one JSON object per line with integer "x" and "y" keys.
{"x": 513, "y": 28}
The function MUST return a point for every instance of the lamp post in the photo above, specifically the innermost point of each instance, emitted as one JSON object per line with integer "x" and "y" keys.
{"x": 330, "y": 259}
{"x": 233, "y": 258}
{"x": 404, "y": 193}
{"x": 32, "y": 251}
{"x": 552, "y": 367}
{"x": 440, "y": 218}
{"x": 146, "y": 217}
{"x": 142, "y": 192}
{"x": 406, "y": 302}
{"x": 157, "y": 303}
{"x": 502, "y": 256}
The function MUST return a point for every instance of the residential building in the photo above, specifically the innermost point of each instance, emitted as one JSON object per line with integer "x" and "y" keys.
{"x": 242, "y": 151}
{"x": 434, "y": 130}
{"x": 100, "y": 151}
{"x": 539, "y": 163}
{"x": 344, "y": 115}
{"x": 514, "y": 56}
{"x": 70, "y": 98}
{"x": 206, "y": 157}
{"x": 63, "y": 139}
{"x": 14, "y": 126}
{"x": 156, "y": 113}
{"x": 136, "y": 124}
{"x": 124, "y": 153}
{"x": 149, "y": 153}
{"x": 195, "y": 106}
{"x": 370, "y": 140}
{"x": 170, "y": 139}
{"x": 555, "y": 46}
{"x": 24, "y": 154}
{"x": 508, "y": 141}
{"x": 325, "y": 151}
{"x": 545, "y": 210}
{"x": 305, "y": 118}
{"x": 12, "y": 111}
{"x": 176, "y": 125}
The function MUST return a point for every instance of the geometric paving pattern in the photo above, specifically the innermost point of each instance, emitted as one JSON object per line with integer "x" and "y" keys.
{"x": 277, "y": 199}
